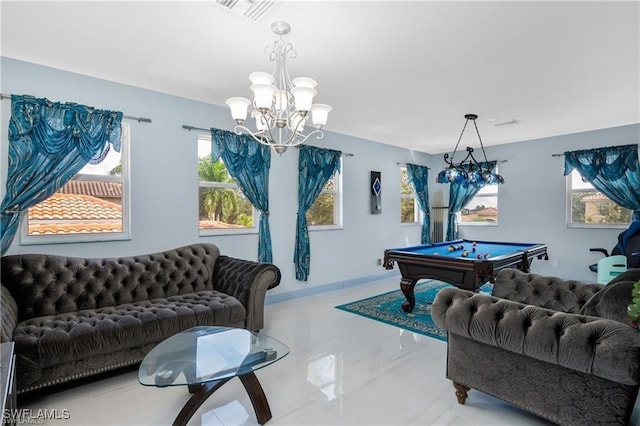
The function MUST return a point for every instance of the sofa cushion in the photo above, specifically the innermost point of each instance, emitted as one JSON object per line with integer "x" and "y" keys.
{"x": 48, "y": 341}
{"x": 612, "y": 301}
{"x": 543, "y": 291}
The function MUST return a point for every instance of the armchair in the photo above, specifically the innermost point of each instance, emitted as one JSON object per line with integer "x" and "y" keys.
{"x": 538, "y": 343}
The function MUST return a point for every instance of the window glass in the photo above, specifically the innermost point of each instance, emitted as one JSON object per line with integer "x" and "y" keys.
{"x": 409, "y": 210}
{"x": 588, "y": 207}
{"x": 326, "y": 210}
{"x": 482, "y": 209}
{"x": 222, "y": 207}
{"x": 92, "y": 206}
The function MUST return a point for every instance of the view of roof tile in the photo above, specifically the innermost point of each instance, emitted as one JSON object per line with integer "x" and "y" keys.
{"x": 216, "y": 224}
{"x": 74, "y": 207}
{"x": 596, "y": 196}
{"x": 93, "y": 188}
{"x": 73, "y": 228}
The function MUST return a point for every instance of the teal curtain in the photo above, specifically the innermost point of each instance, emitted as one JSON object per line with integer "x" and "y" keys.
{"x": 315, "y": 168}
{"x": 459, "y": 196}
{"x": 49, "y": 142}
{"x": 419, "y": 178}
{"x": 248, "y": 162}
{"x": 613, "y": 171}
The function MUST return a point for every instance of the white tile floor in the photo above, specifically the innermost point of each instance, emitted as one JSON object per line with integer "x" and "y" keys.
{"x": 343, "y": 369}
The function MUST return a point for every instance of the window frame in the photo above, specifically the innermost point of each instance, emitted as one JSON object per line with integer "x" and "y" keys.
{"x": 569, "y": 208}
{"x": 418, "y": 213}
{"x": 337, "y": 205}
{"x": 221, "y": 185}
{"x": 124, "y": 178}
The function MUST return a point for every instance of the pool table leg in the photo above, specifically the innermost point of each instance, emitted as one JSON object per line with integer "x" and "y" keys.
{"x": 407, "y": 285}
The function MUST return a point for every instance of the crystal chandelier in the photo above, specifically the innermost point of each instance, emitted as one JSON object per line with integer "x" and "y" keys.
{"x": 469, "y": 171}
{"x": 280, "y": 106}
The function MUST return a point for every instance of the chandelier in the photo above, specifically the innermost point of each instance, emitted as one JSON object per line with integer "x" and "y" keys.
{"x": 469, "y": 171}
{"x": 281, "y": 107}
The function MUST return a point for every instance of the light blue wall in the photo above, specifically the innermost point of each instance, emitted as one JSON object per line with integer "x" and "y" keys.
{"x": 164, "y": 183}
{"x": 164, "y": 188}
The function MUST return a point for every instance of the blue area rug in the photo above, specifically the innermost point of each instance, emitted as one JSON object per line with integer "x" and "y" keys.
{"x": 387, "y": 308}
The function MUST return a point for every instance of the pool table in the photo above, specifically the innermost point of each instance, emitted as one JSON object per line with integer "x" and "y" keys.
{"x": 439, "y": 261}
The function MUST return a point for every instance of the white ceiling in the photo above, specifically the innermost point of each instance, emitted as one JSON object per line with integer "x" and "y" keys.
{"x": 398, "y": 72}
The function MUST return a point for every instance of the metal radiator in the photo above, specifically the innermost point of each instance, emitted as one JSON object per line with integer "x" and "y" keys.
{"x": 437, "y": 227}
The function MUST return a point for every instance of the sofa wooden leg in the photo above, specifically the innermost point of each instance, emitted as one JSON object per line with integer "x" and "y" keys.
{"x": 461, "y": 392}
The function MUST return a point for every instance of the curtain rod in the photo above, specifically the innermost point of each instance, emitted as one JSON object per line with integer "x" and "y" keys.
{"x": 404, "y": 164}
{"x": 130, "y": 117}
{"x": 190, "y": 128}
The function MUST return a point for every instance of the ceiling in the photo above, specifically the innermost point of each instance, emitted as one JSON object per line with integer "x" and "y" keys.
{"x": 398, "y": 72}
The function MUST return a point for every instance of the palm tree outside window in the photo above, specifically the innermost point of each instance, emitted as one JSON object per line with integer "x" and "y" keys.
{"x": 222, "y": 208}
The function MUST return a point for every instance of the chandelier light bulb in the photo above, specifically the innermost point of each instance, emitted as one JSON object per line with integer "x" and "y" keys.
{"x": 263, "y": 95}
{"x": 261, "y": 122}
{"x": 303, "y": 97}
{"x": 304, "y": 82}
{"x": 319, "y": 114}
{"x": 238, "y": 108}
{"x": 261, "y": 77}
{"x": 280, "y": 101}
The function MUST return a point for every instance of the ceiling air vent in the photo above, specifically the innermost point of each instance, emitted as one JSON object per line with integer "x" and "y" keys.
{"x": 250, "y": 9}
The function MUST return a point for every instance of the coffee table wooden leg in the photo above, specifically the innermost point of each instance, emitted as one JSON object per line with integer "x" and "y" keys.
{"x": 200, "y": 393}
{"x": 257, "y": 396}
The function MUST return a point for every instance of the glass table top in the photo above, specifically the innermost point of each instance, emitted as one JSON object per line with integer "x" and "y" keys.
{"x": 203, "y": 354}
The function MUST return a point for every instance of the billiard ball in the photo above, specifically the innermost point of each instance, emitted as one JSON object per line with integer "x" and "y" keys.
{"x": 473, "y": 249}
{"x": 451, "y": 248}
{"x": 486, "y": 255}
{"x": 479, "y": 256}
{"x": 465, "y": 253}
{"x": 474, "y": 244}
{"x": 436, "y": 254}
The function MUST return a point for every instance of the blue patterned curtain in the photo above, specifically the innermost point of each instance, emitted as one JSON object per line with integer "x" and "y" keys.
{"x": 613, "y": 171}
{"x": 459, "y": 196}
{"x": 248, "y": 162}
{"x": 49, "y": 142}
{"x": 315, "y": 167}
{"x": 419, "y": 178}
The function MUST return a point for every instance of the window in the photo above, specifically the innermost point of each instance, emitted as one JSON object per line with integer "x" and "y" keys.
{"x": 482, "y": 209}
{"x": 591, "y": 208}
{"x": 222, "y": 207}
{"x": 92, "y": 206}
{"x": 410, "y": 212}
{"x": 326, "y": 211}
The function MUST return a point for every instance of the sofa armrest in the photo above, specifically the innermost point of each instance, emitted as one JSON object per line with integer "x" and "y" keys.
{"x": 248, "y": 282}
{"x": 543, "y": 291}
{"x": 601, "y": 347}
{"x": 8, "y": 314}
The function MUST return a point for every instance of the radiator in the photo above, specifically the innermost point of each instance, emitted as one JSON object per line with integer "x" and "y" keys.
{"x": 437, "y": 226}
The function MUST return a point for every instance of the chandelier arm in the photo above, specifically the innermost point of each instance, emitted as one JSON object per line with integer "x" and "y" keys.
{"x": 459, "y": 139}
{"x": 240, "y": 130}
{"x": 481, "y": 144}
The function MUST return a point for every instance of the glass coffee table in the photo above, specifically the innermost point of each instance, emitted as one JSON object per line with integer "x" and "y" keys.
{"x": 205, "y": 358}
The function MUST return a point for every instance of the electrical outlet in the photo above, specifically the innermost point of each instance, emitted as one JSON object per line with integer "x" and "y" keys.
{"x": 379, "y": 262}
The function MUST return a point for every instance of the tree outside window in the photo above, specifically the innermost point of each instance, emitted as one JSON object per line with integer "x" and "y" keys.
{"x": 221, "y": 203}
{"x": 326, "y": 209}
{"x": 409, "y": 210}
{"x": 591, "y": 207}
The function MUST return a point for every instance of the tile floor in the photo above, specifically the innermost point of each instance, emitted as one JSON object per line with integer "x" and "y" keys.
{"x": 343, "y": 369}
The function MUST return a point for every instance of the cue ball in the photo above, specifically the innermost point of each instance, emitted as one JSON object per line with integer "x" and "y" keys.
{"x": 436, "y": 254}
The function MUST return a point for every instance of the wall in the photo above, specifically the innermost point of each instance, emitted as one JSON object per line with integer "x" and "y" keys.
{"x": 164, "y": 184}
{"x": 164, "y": 194}
{"x": 532, "y": 201}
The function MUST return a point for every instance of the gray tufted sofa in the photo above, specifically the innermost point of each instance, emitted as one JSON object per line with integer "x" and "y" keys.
{"x": 74, "y": 317}
{"x": 536, "y": 343}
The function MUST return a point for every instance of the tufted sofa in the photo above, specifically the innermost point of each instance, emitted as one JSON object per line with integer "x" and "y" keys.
{"x": 75, "y": 317}
{"x": 560, "y": 349}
